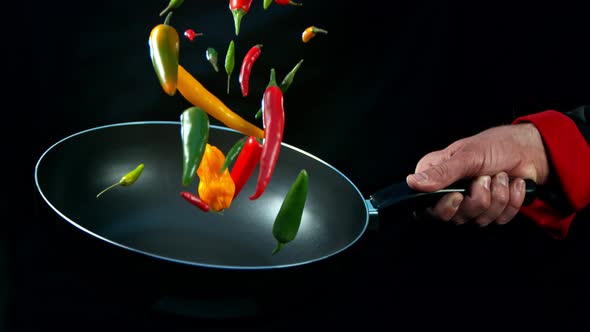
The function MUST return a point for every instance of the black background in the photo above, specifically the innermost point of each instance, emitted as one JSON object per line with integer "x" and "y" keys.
{"x": 388, "y": 83}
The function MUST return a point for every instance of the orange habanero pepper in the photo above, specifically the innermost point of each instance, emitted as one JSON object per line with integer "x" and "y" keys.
{"x": 215, "y": 188}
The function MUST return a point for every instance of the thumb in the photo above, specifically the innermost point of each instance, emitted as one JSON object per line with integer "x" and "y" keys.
{"x": 442, "y": 173}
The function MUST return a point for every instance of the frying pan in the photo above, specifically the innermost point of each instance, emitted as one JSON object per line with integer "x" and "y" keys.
{"x": 150, "y": 218}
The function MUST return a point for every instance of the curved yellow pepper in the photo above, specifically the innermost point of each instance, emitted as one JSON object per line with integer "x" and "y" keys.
{"x": 215, "y": 187}
{"x": 193, "y": 91}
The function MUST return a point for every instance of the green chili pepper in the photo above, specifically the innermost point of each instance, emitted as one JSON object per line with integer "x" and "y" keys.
{"x": 195, "y": 135}
{"x": 212, "y": 57}
{"x": 173, "y": 4}
{"x": 266, "y": 3}
{"x": 127, "y": 180}
{"x": 233, "y": 153}
{"x": 230, "y": 61}
{"x": 285, "y": 84}
{"x": 164, "y": 48}
{"x": 288, "y": 220}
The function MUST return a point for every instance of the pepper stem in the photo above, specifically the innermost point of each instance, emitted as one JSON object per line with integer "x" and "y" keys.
{"x": 167, "y": 19}
{"x": 238, "y": 14}
{"x": 166, "y": 9}
{"x": 108, "y": 188}
{"x": 318, "y": 30}
{"x": 228, "y": 80}
{"x": 278, "y": 248}
{"x": 273, "y": 79}
{"x": 293, "y": 3}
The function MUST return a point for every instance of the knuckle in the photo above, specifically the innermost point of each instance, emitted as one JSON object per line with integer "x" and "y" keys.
{"x": 472, "y": 162}
{"x": 441, "y": 170}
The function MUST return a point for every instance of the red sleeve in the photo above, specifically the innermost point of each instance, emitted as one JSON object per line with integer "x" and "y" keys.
{"x": 569, "y": 154}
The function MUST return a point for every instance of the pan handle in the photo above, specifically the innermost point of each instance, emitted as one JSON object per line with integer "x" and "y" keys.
{"x": 402, "y": 193}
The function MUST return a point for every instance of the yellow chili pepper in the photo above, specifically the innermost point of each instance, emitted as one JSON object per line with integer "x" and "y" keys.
{"x": 311, "y": 32}
{"x": 215, "y": 188}
{"x": 127, "y": 179}
{"x": 199, "y": 96}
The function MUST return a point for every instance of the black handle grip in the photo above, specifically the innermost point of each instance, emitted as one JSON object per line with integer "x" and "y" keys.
{"x": 401, "y": 193}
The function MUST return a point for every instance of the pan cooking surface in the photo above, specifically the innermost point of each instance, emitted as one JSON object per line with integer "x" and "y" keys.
{"x": 150, "y": 217}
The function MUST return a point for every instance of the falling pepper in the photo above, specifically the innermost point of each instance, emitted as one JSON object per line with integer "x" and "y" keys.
{"x": 190, "y": 34}
{"x": 230, "y": 61}
{"x": 215, "y": 188}
{"x": 246, "y": 68}
{"x": 274, "y": 125}
{"x": 288, "y": 220}
{"x": 173, "y": 4}
{"x": 288, "y": 2}
{"x": 199, "y": 96}
{"x": 164, "y": 50}
{"x": 195, "y": 200}
{"x": 127, "y": 179}
{"x": 233, "y": 153}
{"x": 239, "y": 8}
{"x": 195, "y": 134}
{"x": 246, "y": 163}
{"x": 211, "y": 55}
{"x": 311, "y": 32}
{"x": 285, "y": 84}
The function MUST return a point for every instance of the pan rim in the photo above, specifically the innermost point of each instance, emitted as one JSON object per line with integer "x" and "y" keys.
{"x": 186, "y": 262}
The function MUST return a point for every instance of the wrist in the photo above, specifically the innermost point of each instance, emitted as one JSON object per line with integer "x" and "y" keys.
{"x": 535, "y": 153}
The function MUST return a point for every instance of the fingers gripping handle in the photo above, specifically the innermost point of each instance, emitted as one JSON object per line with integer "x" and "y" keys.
{"x": 401, "y": 193}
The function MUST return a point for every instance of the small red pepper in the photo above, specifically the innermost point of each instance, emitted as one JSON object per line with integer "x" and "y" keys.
{"x": 249, "y": 60}
{"x": 288, "y": 2}
{"x": 191, "y": 34}
{"x": 239, "y": 8}
{"x": 274, "y": 124}
{"x": 246, "y": 163}
{"x": 195, "y": 200}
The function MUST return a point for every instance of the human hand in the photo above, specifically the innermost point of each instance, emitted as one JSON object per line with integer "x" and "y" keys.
{"x": 490, "y": 158}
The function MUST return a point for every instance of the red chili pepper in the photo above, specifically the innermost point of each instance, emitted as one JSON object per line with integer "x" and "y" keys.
{"x": 195, "y": 200}
{"x": 274, "y": 125}
{"x": 249, "y": 60}
{"x": 191, "y": 34}
{"x": 239, "y": 8}
{"x": 288, "y": 2}
{"x": 246, "y": 163}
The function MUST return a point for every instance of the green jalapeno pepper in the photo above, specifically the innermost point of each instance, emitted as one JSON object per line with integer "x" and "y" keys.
{"x": 164, "y": 49}
{"x": 288, "y": 220}
{"x": 195, "y": 134}
{"x": 127, "y": 179}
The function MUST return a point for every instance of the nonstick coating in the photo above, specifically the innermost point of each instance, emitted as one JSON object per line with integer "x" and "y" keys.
{"x": 150, "y": 217}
